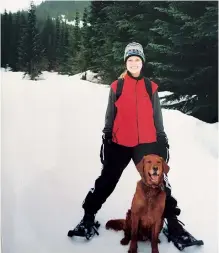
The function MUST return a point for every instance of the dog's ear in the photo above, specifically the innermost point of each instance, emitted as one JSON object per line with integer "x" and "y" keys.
{"x": 140, "y": 166}
{"x": 166, "y": 168}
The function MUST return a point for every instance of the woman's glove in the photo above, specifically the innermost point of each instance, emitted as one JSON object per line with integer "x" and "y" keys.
{"x": 163, "y": 141}
{"x": 107, "y": 138}
{"x": 105, "y": 147}
{"x": 164, "y": 146}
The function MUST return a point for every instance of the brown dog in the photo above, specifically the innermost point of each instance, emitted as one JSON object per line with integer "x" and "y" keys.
{"x": 145, "y": 219}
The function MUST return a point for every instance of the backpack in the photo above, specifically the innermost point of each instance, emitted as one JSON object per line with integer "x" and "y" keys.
{"x": 120, "y": 83}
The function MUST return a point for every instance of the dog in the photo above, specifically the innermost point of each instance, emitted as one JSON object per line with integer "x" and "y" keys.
{"x": 144, "y": 221}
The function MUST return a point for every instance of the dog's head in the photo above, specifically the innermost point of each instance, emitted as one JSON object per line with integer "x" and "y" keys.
{"x": 151, "y": 169}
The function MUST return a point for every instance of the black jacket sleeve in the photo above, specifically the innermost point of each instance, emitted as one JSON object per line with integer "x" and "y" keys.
{"x": 158, "y": 118}
{"x": 110, "y": 112}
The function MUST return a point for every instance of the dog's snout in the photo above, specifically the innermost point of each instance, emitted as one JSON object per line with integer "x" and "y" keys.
{"x": 155, "y": 168}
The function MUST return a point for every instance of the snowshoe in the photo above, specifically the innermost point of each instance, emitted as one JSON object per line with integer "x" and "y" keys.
{"x": 181, "y": 242}
{"x": 85, "y": 229}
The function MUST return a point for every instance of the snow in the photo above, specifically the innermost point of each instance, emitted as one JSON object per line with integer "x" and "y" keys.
{"x": 90, "y": 76}
{"x": 51, "y": 136}
{"x": 14, "y": 6}
{"x": 71, "y": 22}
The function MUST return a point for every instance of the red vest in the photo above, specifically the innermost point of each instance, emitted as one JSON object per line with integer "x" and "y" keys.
{"x": 134, "y": 122}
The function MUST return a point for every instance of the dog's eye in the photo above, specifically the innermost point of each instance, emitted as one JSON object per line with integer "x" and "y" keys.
{"x": 148, "y": 161}
{"x": 158, "y": 162}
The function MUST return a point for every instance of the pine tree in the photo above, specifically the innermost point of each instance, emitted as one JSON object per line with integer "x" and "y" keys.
{"x": 205, "y": 75}
{"x": 57, "y": 44}
{"x": 76, "y": 34}
{"x": 15, "y": 42}
{"x": 33, "y": 52}
{"x": 76, "y": 44}
{"x": 4, "y": 39}
{"x": 102, "y": 37}
{"x": 48, "y": 41}
{"x": 84, "y": 54}
{"x": 74, "y": 49}
{"x": 7, "y": 39}
{"x": 97, "y": 20}
{"x": 11, "y": 41}
{"x": 21, "y": 42}
{"x": 181, "y": 61}
{"x": 64, "y": 68}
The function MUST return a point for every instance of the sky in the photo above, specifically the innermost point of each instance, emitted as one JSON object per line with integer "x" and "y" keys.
{"x": 14, "y": 6}
{"x": 51, "y": 136}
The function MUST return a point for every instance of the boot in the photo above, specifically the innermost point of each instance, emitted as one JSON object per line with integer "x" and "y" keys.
{"x": 175, "y": 227}
{"x": 85, "y": 228}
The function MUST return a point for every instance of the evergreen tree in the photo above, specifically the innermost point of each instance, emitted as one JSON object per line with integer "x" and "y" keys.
{"x": 84, "y": 54}
{"x": 182, "y": 62}
{"x": 103, "y": 35}
{"x": 76, "y": 45}
{"x": 7, "y": 38}
{"x": 10, "y": 42}
{"x": 76, "y": 34}
{"x": 4, "y": 39}
{"x": 21, "y": 42}
{"x": 33, "y": 52}
{"x": 48, "y": 41}
{"x": 64, "y": 68}
{"x": 74, "y": 48}
{"x": 15, "y": 42}
{"x": 57, "y": 44}
{"x": 97, "y": 21}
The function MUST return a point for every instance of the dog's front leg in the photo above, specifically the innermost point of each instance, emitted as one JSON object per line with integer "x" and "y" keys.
{"x": 127, "y": 229}
{"x": 155, "y": 236}
{"x": 134, "y": 233}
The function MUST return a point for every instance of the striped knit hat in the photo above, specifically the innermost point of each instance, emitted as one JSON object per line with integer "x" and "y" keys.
{"x": 134, "y": 49}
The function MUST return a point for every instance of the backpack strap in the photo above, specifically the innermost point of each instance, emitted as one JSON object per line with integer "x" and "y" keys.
{"x": 148, "y": 87}
{"x": 119, "y": 88}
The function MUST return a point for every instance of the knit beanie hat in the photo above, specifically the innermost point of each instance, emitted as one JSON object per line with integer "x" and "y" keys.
{"x": 134, "y": 49}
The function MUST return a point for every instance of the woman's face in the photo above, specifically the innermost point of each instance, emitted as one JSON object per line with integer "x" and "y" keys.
{"x": 134, "y": 64}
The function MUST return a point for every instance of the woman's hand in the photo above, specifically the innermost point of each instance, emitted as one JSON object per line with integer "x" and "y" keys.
{"x": 163, "y": 147}
{"x": 105, "y": 147}
{"x": 163, "y": 141}
{"x": 107, "y": 138}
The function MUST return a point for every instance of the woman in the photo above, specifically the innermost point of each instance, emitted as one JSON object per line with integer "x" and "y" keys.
{"x": 133, "y": 128}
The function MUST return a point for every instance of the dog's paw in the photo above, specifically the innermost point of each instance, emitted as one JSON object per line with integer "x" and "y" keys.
{"x": 132, "y": 251}
{"x": 155, "y": 251}
{"x": 125, "y": 241}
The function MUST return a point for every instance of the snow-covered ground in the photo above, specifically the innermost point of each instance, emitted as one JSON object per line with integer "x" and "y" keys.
{"x": 51, "y": 136}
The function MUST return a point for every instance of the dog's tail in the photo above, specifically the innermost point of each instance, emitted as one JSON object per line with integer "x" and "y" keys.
{"x": 116, "y": 225}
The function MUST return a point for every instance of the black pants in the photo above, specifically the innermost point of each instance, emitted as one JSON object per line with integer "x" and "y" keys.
{"x": 116, "y": 159}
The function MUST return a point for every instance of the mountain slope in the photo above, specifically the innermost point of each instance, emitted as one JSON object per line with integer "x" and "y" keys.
{"x": 57, "y": 8}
